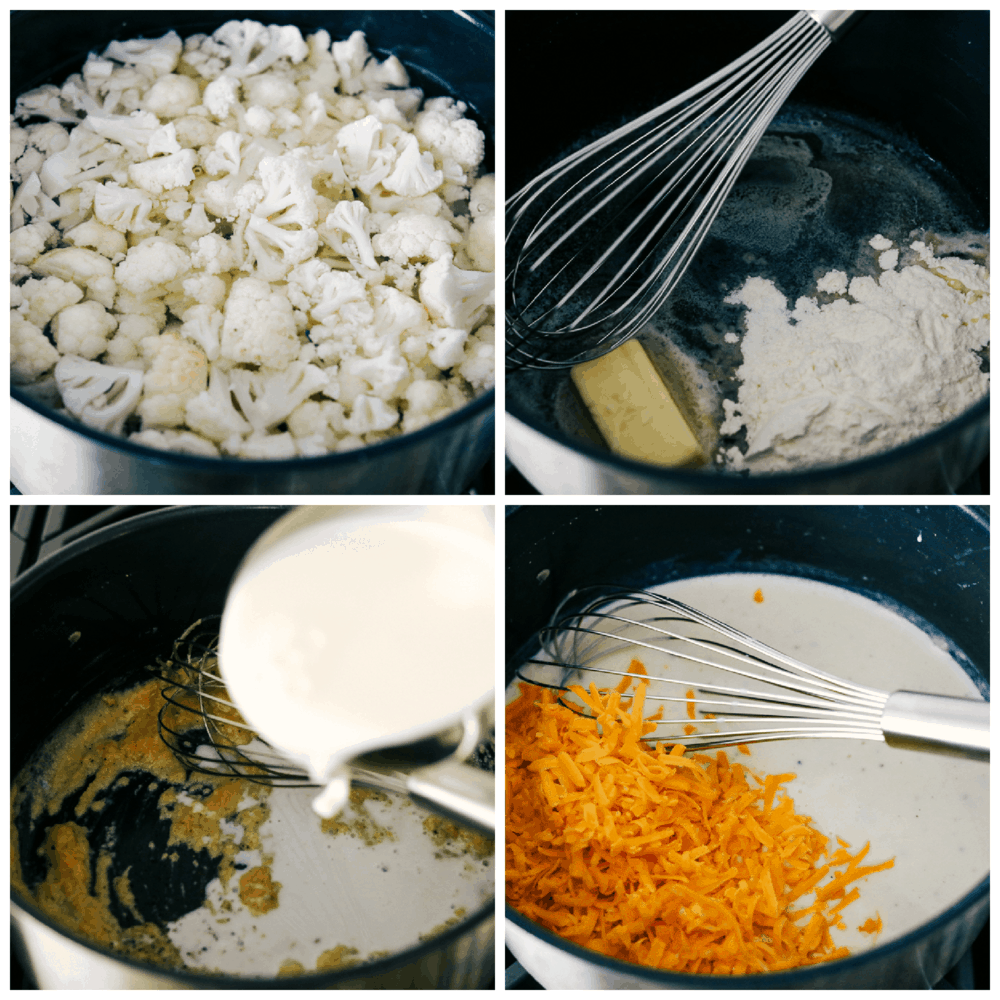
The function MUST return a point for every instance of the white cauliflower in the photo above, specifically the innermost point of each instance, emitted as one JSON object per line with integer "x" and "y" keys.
{"x": 31, "y": 352}
{"x": 99, "y": 395}
{"x": 258, "y": 326}
{"x": 42, "y": 298}
{"x": 83, "y": 329}
{"x": 29, "y": 242}
{"x": 212, "y": 414}
{"x": 172, "y": 95}
{"x": 252, "y": 242}
{"x": 106, "y": 241}
{"x": 409, "y": 236}
{"x": 185, "y": 442}
{"x": 177, "y": 372}
{"x": 151, "y": 266}
{"x": 454, "y": 297}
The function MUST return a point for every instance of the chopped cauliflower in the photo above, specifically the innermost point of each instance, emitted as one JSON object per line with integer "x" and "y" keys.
{"x": 250, "y": 243}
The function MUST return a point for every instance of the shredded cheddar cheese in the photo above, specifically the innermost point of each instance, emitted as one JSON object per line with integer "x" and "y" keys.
{"x": 643, "y": 854}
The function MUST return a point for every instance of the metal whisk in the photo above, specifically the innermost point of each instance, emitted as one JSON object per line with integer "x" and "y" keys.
{"x": 206, "y": 732}
{"x": 202, "y": 726}
{"x": 596, "y": 243}
{"x": 779, "y": 697}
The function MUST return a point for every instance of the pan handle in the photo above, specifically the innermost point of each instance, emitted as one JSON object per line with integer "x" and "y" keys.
{"x": 464, "y": 792}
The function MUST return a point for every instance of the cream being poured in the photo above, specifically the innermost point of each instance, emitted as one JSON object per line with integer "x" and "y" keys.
{"x": 353, "y": 628}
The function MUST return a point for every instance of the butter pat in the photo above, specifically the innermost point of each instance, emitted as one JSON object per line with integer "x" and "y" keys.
{"x": 634, "y": 410}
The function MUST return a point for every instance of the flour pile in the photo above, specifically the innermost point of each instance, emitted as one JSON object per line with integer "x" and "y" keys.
{"x": 863, "y": 366}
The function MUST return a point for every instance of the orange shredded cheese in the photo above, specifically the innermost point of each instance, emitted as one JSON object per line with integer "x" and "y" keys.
{"x": 758, "y": 596}
{"x": 872, "y": 926}
{"x": 643, "y": 854}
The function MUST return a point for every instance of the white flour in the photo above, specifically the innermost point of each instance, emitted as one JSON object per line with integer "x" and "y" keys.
{"x": 879, "y": 362}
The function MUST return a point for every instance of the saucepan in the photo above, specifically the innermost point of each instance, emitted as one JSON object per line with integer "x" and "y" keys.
{"x": 933, "y": 561}
{"x": 948, "y": 121}
{"x": 87, "y": 621}
{"x": 448, "y": 53}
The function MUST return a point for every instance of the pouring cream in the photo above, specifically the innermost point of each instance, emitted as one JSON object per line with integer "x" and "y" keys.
{"x": 351, "y": 628}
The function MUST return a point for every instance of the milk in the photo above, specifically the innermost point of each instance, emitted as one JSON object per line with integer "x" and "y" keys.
{"x": 352, "y": 628}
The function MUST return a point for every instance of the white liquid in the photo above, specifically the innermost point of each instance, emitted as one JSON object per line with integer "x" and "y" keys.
{"x": 366, "y": 626}
{"x": 929, "y": 812}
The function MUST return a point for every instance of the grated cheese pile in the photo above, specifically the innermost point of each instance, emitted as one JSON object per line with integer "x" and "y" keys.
{"x": 644, "y": 855}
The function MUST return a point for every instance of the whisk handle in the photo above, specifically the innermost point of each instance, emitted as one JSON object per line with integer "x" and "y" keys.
{"x": 835, "y": 21}
{"x": 464, "y": 792}
{"x": 956, "y": 726}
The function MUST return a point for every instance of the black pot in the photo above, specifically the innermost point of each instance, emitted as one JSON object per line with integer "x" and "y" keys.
{"x": 944, "y": 579}
{"x": 870, "y": 73}
{"x": 129, "y": 590}
{"x": 448, "y": 54}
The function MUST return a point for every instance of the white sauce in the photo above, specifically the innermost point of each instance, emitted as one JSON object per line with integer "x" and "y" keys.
{"x": 930, "y": 812}
{"x": 364, "y": 627}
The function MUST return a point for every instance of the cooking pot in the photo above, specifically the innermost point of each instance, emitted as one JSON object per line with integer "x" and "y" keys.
{"x": 128, "y": 590}
{"x": 446, "y": 52}
{"x": 943, "y": 578}
{"x": 669, "y": 51}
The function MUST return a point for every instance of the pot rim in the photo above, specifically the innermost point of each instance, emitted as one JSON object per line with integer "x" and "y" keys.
{"x": 763, "y": 482}
{"x": 21, "y": 589}
{"x": 764, "y": 980}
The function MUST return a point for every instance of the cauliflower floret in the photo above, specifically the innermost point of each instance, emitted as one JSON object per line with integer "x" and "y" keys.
{"x": 410, "y": 236}
{"x": 426, "y": 401}
{"x": 31, "y": 353}
{"x": 98, "y": 395}
{"x": 178, "y": 372}
{"x": 213, "y": 414}
{"x": 32, "y": 145}
{"x": 83, "y": 329}
{"x": 270, "y": 90}
{"x": 384, "y": 375}
{"x": 413, "y": 174}
{"x": 222, "y": 95}
{"x": 105, "y": 240}
{"x": 158, "y": 54}
{"x": 269, "y": 446}
{"x": 456, "y": 142}
{"x": 82, "y": 267}
{"x": 123, "y": 347}
{"x": 151, "y": 265}
{"x": 42, "y": 298}
{"x": 164, "y": 172}
{"x": 124, "y": 209}
{"x": 453, "y": 297}
{"x": 370, "y": 414}
{"x": 184, "y": 442}
{"x": 478, "y": 365}
{"x": 29, "y": 242}
{"x": 446, "y": 346}
{"x": 213, "y": 253}
{"x": 346, "y": 232}
{"x": 172, "y": 95}
{"x": 259, "y": 327}
{"x": 267, "y": 397}
{"x": 203, "y": 325}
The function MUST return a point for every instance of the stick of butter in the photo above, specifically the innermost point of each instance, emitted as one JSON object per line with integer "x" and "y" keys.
{"x": 634, "y": 409}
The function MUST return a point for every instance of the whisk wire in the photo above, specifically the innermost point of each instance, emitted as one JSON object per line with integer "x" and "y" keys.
{"x": 597, "y": 242}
